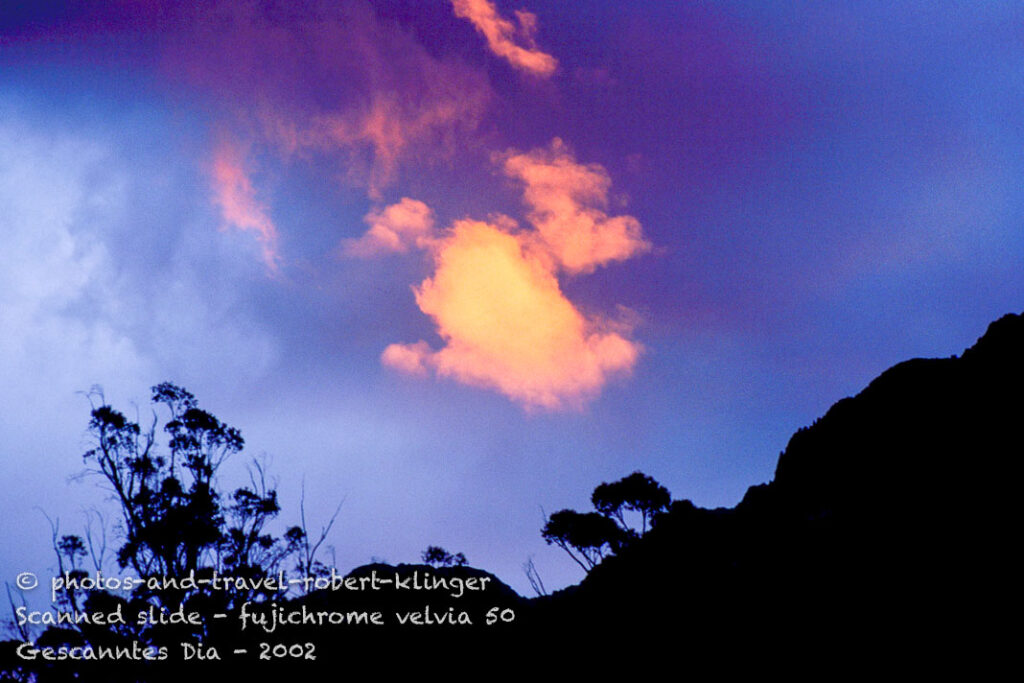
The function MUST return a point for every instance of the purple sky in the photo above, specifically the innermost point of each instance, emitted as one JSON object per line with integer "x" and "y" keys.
{"x": 456, "y": 262}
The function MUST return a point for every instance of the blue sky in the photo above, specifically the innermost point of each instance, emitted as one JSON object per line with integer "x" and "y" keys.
{"x": 821, "y": 190}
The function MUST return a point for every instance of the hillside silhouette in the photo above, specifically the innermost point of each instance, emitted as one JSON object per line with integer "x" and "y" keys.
{"x": 885, "y": 529}
{"x": 887, "y": 525}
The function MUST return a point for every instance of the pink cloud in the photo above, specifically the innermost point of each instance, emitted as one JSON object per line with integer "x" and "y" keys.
{"x": 504, "y": 37}
{"x": 234, "y": 193}
{"x": 395, "y": 228}
{"x": 411, "y": 359}
{"x": 568, "y": 203}
{"x": 395, "y": 127}
{"x": 332, "y": 82}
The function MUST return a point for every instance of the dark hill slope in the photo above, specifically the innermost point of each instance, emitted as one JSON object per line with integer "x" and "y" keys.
{"x": 889, "y": 519}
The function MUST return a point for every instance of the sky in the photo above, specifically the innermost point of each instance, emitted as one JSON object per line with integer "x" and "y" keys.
{"x": 453, "y": 263}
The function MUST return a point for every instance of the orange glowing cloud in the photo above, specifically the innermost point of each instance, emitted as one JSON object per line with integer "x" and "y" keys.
{"x": 234, "y": 193}
{"x": 395, "y": 229}
{"x": 508, "y": 326}
{"x": 495, "y": 296}
{"x": 502, "y": 35}
{"x": 567, "y": 204}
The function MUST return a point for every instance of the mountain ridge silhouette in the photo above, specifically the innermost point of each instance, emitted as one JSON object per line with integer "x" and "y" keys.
{"x": 888, "y": 516}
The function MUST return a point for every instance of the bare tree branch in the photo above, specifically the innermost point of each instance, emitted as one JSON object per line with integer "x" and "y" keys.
{"x": 97, "y": 546}
{"x": 533, "y": 576}
{"x": 21, "y": 630}
{"x": 310, "y": 549}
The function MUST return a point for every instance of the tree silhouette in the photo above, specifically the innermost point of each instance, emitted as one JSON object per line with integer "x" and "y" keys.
{"x": 588, "y": 537}
{"x": 638, "y": 493}
{"x": 175, "y": 521}
{"x": 439, "y": 557}
{"x": 585, "y": 537}
{"x": 177, "y": 529}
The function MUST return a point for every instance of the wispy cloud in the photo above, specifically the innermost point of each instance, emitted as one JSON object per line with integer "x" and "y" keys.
{"x": 336, "y": 86}
{"x": 506, "y": 39}
{"x": 395, "y": 127}
{"x": 234, "y": 193}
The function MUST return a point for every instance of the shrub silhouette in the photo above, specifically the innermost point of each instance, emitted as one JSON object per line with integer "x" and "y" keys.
{"x": 439, "y": 557}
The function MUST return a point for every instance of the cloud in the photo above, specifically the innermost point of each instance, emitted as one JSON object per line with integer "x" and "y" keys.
{"x": 234, "y": 193}
{"x": 345, "y": 79}
{"x": 397, "y": 127}
{"x": 502, "y": 35}
{"x": 87, "y": 296}
{"x": 333, "y": 81}
{"x": 323, "y": 83}
{"x": 567, "y": 204}
{"x": 411, "y": 359}
{"x": 508, "y": 326}
{"x": 60, "y": 324}
{"x": 494, "y": 293}
{"x": 420, "y": 121}
{"x": 394, "y": 228}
